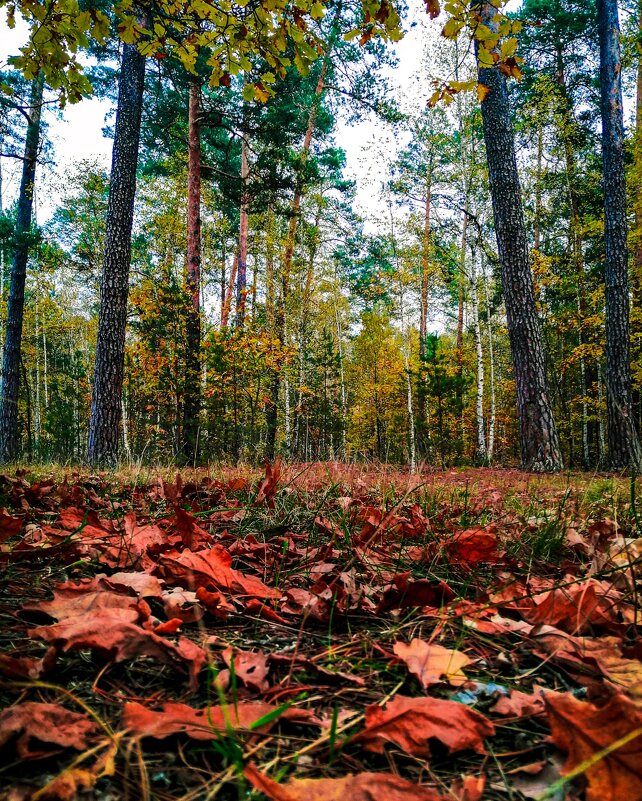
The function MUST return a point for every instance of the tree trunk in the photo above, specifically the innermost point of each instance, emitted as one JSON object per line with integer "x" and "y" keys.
{"x": 540, "y": 448}
{"x": 286, "y": 269}
{"x": 9, "y": 439}
{"x": 636, "y": 317}
{"x": 114, "y": 286}
{"x": 491, "y": 377}
{"x": 192, "y": 397}
{"x": 241, "y": 276}
{"x": 624, "y": 446}
{"x": 482, "y": 452}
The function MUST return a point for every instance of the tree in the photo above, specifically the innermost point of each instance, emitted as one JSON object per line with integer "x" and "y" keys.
{"x": 106, "y": 404}
{"x": 624, "y": 446}
{"x": 9, "y": 438}
{"x": 540, "y": 446}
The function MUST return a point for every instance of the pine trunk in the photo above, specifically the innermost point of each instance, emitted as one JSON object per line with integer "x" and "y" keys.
{"x": 241, "y": 277}
{"x": 192, "y": 398}
{"x": 106, "y": 412}
{"x": 623, "y": 443}
{"x": 9, "y": 437}
{"x": 540, "y": 448}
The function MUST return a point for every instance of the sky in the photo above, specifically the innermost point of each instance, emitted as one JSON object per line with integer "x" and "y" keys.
{"x": 78, "y": 133}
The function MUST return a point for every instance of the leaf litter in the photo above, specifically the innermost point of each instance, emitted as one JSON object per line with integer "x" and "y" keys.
{"x": 320, "y": 632}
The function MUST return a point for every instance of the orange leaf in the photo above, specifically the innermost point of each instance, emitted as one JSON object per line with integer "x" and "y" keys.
{"x": 431, "y": 663}
{"x": 411, "y": 722}
{"x": 362, "y": 787}
{"x": 583, "y": 729}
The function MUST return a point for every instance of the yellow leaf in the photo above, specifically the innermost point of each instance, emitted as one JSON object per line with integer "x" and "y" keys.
{"x": 482, "y": 92}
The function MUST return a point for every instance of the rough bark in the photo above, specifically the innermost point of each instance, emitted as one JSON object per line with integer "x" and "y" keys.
{"x": 540, "y": 448}
{"x": 623, "y": 443}
{"x": 9, "y": 438}
{"x": 114, "y": 286}
{"x": 192, "y": 396}
{"x": 241, "y": 276}
{"x": 636, "y": 318}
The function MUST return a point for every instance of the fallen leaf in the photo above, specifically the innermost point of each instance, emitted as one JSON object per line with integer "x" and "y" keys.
{"x": 10, "y": 526}
{"x": 251, "y": 668}
{"x": 405, "y": 593}
{"x": 267, "y": 490}
{"x": 359, "y": 787}
{"x": 474, "y": 546}
{"x": 431, "y": 663}
{"x": 109, "y": 632}
{"x": 212, "y": 567}
{"x": 411, "y": 722}
{"x": 207, "y": 723}
{"x": 582, "y": 730}
{"x": 519, "y": 704}
{"x": 44, "y": 724}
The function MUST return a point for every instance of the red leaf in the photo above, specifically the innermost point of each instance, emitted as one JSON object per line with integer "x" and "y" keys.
{"x": 582, "y": 730}
{"x": 267, "y": 490}
{"x": 411, "y": 722}
{"x": 49, "y": 724}
{"x": 474, "y": 546}
{"x": 362, "y": 787}
{"x": 432, "y": 663}
{"x": 212, "y": 568}
{"x": 201, "y": 724}
{"x": 251, "y": 668}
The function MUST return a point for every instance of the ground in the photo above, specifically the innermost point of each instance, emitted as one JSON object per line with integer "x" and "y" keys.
{"x": 319, "y": 631}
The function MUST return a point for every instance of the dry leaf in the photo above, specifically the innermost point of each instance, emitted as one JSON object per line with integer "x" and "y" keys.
{"x": 411, "y": 722}
{"x": 432, "y": 663}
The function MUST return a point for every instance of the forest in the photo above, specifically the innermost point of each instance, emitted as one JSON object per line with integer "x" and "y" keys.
{"x": 218, "y": 298}
{"x": 321, "y": 401}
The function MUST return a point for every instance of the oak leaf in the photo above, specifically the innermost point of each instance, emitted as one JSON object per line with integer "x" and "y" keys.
{"x": 42, "y": 723}
{"x": 212, "y": 567}
{"x": 583, "y": 730}
{"x": 206, "y": 723}
{"x": 431, "y": 663}
{"x": 359, "y": 787}
{"x": 411, "y": 722}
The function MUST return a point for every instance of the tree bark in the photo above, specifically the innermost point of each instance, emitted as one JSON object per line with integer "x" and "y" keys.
{"x": 623, "y": 443}
{"x": 9, "y": 438}
{"x": 241, "y": 276}
{"x": 540, "y": 448}
{"x": 192, "y": 397}
{"x": 114, "y": 286}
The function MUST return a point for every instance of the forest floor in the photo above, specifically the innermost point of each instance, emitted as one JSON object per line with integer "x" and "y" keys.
{"x": 320, "y": 632}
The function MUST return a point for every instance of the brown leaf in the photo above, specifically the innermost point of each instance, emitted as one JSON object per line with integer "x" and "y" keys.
{"x": 519, "y": 704}
{"x": 576, "y": 608}
{"x": 212, "y": 567}
{"x": 251, "y": 668}
{"x": 583, "y": 729}
{"x": 362, "y": 787}
{"x": 432, "y": 663}
{"x": 202, "y": 724}
{"x": 267, "y": 490}
{"x": 48, "y": 724}
{"x": 411, "y": 722}
{"x": 110, "y": 632}
{"x": 474, "y": 546}
{"x": 192, "y": 535}
{"x": 9, "y": 525}
{"x": 432, "y": 7}
{"x": 405, "y": 593}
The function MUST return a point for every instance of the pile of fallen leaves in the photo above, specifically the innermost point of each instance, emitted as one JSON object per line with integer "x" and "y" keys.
{"x": 318, "y": 634}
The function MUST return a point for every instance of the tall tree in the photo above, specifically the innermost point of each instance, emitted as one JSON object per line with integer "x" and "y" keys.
{"x": 9, "y": 437}
{"x": 623, "y": 443}
{"x": 191, "y": 401}
{"x": 106, "y": 409}
{"x": 540, "y": 448}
